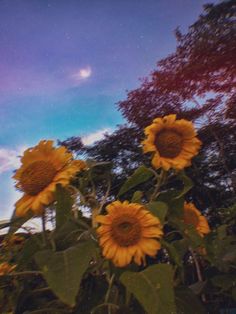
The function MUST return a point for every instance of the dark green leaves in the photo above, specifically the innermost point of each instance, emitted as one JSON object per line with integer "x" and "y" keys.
{"x": 187, "y": 302}
{"x": 153, "y": 288}
{"x": 63, "y": 205}
{"x": 224, "y": 281}
{"x": 137, "y": 197}
{"x": 187, "y": 184}
{"x": 158, "y": 209}
{"x": 64, "y": 270}
{"x": 141, "y": 175}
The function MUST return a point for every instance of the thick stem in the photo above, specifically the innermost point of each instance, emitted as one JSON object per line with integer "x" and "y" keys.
{"x": 107, "y": 296}
{"x": 198, "y": 270}
{"x": 44, "y": 229}
{"x": 102, "y": 305}
{"x": 26, "y": 273}
{"x": 160, "y": 181}
{"x": 96, "y": 211}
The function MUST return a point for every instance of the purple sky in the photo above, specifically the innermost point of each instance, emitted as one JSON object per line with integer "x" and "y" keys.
{"x": 65, "y": 63}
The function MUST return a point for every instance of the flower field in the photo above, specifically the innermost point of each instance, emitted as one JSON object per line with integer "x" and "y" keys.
{"x": 132, "y": 254}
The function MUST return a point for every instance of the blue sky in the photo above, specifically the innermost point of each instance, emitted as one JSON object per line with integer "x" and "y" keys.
{"x": 64, "y": 64}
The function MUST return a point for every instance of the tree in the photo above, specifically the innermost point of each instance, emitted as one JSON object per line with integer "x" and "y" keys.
{"x": 197, "y": 82}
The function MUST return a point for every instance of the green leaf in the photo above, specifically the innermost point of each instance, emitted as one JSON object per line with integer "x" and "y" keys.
{"x": 187, "y": 302}
{"x": 153, "y": 288}
{"x": 158, "y": 209}
{"x": 137, "y": 197}
{"x": 198, "y": 287}
{"x": 195, "y": 239}
{"x": 221, "y": 253}
{"x": 222, "y": 232}
{"x": 64, "y": 270}
{"x": 173, "y": 253}
{"x": 224, "y": 281}
{"x": 187, "y": 182}
{"x": 181, "y": 246}
{"x": 175, "y": 205}
{"x": 69, "y": 232}
{"x": 64, "y": 204}
{"x": 31, "y": 246}
{"x": 141, "y": 175}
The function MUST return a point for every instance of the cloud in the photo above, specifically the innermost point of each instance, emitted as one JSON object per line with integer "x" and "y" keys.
{"x": 95, "y": 136}
{"x": 9, "y": 158}
{"x": 81, "y": 74}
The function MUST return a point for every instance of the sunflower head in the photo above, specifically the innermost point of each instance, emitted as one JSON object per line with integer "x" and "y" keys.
{"x": 6, "y": 268}
{"x": 13, "y": 240}
{"x": 192, "y": 216}
{"x": 172, "y": 142}
{"x": 128, "y": 232}
{"x": 43, "y": 167}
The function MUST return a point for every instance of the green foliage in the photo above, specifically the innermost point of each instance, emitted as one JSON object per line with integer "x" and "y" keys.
{"x": 137, "y": 197}
{"x": 141, "y": 175}
{"x": 64, "y": 203}
{"x": 31, "y": 247}
{"x": 187, "y": 184}
{"x": 224, "y": 281}
{"x": 64, "y": 270}
{"x": 153, "y": 288}
{"x": 158, "y": 209}
{"x": 174, "y": 254}
{"x": 187, "y": 302}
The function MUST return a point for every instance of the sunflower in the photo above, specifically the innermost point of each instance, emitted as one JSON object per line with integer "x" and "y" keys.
{"x": 192, "y": 216}
{"x": 172, "y": 142}
{"x": 13, "y": 240}
{"x": 43, "y": 167}
{"x": 5, "y": 268}
{"x": 129, "y": 231}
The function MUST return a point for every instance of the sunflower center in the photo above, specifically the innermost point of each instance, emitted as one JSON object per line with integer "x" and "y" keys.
{"x": 168, "y": 143}
{"x": 191, "y": 218}
{"x": 126, "y": 230}
{"x": 37, "y": 176}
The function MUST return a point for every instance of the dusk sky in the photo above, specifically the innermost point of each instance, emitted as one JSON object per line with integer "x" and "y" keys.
{"x": 64, "y": 64}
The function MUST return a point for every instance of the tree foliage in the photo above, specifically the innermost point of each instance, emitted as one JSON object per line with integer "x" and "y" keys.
{"x": 197, "y": 82}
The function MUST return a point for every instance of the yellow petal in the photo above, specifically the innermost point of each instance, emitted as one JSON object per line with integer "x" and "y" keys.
{"x": 106, "y": 220}
{"x": 149, "y": 246}
{"x": 169, "y": 120}
{"x": 152, "y": 232}
{"x": 23, "y": 205}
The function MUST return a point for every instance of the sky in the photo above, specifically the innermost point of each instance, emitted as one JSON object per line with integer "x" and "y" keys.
{"x": 64, "y": 64}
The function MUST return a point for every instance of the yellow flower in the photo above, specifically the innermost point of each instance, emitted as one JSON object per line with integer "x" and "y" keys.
{"x": 13, "y": 240}
{"x": 43, "y": 167}
{"x": 129, "y": 231}
{"x": 172, "y": 142}
{"x": 5, "y": 268}
{"x": 192, "y": 216}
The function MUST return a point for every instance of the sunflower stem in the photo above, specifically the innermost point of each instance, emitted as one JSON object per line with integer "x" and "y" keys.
{"x": 96, "y": 211}
{"x": 105, "y": 196}
{"x": 160, "y": 181}
{"x": 198, "y": 270}
{"x": 44, "y": 229}
{"x": 94, "y": 310}
{"x": 127, "y": 297}
{"x": 110, "y": 283}
{"x": 26, "y": 273}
